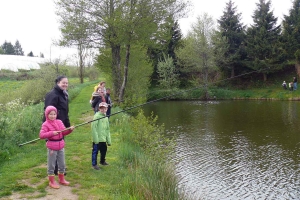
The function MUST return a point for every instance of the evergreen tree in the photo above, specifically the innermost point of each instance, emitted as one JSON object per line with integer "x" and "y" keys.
{"x": 263, "y": 46}
{"x": 174, "y": 41}
{"x": 1, "y": 51}
{"x": 291, "y": 33}
{"x": 233, "y": 32}
{"x": 8, "y": 48}
{"x": 166, "y": 46}
{"x": 168, "y": 76}
{"x": 30, "y": 54}
{"x": 18, "y": 49}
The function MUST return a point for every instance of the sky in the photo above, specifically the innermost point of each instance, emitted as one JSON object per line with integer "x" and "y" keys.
{"x": 35, "y": 24}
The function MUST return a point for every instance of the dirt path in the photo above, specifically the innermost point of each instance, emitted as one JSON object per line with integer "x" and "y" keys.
{"x": 63, "y": 193}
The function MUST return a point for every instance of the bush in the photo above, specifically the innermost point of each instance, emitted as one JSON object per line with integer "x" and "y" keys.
{"x": 149, "y": 136}
{"x": 18, "y": 123}
{"x": 92, "y": 73}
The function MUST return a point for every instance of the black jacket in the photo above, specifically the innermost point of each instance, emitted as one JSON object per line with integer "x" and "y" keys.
{"x": 57, "y": 98}
{"x": 96, "y": 102}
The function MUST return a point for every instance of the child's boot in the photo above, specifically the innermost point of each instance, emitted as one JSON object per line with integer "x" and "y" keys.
{"x": 52, "y": 182}
{"x": 62, "y": 179}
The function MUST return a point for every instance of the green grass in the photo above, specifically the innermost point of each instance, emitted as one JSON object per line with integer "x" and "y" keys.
{"x": 7, "y": 85}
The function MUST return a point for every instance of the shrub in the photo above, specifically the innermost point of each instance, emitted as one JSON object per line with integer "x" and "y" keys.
{"x": 92, "y": 73}
{"x": 150, "y": 137}
{"x": 18, "y": 123}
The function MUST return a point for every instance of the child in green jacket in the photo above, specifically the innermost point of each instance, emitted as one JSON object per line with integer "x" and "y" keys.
{"x": 101, "y": 136}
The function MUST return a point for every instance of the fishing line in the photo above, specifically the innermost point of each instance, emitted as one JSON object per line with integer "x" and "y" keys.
{"x": 143, "y": 104}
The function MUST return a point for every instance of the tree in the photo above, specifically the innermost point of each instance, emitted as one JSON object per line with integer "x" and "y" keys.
{"x": 233, "y": 31}
{"x": 30, "y": 54}
{"x": 41, "y": 55}
{"x": 264, "y": 50}
{"x": 168, "y": 76}
{"x": 74, "y": 29}
{"x": 1, "y": 51}
{"x": 8, "y": 48}
{"x": 173, "y": 42}
{"x": 290, "y": 32}
{"x": 170, "y": 42}
{"x": 197, "y": 55}
{"x": 18, "y": 49}
{"x": 138, "y": 76}
{"x": 117, "y": 24}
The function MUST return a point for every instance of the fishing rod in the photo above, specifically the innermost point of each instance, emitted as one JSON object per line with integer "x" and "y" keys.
{"x": 143, "y": 104}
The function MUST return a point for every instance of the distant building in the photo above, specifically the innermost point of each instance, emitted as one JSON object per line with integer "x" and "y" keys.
{"x": 14, "y": 63}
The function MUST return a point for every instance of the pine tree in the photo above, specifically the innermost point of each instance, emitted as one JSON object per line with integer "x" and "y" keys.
{"x": 166, "y": 46}
{"x": 8, "y": 48}
{"x": 233, "y": 33}
{"x": 291, "y": 30}
{"x": 263, "y": 46}
{"x": 18, "y": 49}
{"x": 30, "y": 54}
{"x": 174, "y": 42}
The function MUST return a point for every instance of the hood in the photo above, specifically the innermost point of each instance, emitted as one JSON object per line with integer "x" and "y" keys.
{"x": 48, "y": 110}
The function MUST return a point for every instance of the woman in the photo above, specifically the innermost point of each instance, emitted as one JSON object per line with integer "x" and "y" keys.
{"x": 98, "y": 99}
{"x": 59, "y": 98}
{"x": 101, "y": 84}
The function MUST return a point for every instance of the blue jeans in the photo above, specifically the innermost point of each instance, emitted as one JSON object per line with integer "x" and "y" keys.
{"x": 102, "y": 147}
{"x": 295, "y": 86}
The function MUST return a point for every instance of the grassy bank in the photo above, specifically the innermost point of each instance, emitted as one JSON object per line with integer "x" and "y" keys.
{"x": 139, "y": 167}
{"x": 266, "y": 93}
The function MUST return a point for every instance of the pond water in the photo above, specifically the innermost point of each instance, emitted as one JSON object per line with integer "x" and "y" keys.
{"x": 235, "y": 149}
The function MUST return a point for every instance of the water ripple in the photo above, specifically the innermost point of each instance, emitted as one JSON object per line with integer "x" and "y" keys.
{"x": 243, "y": 171}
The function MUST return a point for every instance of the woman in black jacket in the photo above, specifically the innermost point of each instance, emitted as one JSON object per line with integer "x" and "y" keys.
{"x": 58, "y": 97}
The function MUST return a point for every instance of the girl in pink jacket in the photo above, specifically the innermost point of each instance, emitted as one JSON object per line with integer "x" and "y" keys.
{"x": 52, "y": 130}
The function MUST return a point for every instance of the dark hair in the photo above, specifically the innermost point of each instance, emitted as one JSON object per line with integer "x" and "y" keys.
{"x": 59, "y": 78}
{"x": 98, "y": 89}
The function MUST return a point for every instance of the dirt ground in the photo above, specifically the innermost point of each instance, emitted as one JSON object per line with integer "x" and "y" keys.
{"x": 63, "y": 193}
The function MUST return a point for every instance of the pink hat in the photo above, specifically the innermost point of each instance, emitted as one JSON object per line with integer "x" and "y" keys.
{"x": 48, "y": 110}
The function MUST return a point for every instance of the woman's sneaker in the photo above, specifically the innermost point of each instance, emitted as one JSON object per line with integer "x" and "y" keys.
{"x": 104, "y": 163}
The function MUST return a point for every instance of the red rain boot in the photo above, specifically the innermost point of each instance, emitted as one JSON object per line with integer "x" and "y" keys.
{"x": 52, "y": 182}
{"x": 62, "y": 179}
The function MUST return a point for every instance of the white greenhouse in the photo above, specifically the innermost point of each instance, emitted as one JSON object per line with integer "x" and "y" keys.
{"x": 14, "y": 63}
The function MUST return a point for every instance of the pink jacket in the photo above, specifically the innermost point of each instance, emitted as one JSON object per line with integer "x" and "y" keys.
{"x": 55, "y": 142}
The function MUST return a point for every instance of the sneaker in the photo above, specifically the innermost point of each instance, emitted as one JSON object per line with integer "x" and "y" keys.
{"x": 104, "y": 163}
{"x": 96, "y": 167}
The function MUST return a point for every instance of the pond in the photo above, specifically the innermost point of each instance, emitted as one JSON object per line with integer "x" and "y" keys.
{"x": 234, "y": 149}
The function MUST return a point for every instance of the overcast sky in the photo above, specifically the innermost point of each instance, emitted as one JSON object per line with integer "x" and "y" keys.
{"x": 34, "y": 23}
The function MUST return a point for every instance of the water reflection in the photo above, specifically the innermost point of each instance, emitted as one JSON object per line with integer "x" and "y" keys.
{"x": 235, "y": 149}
